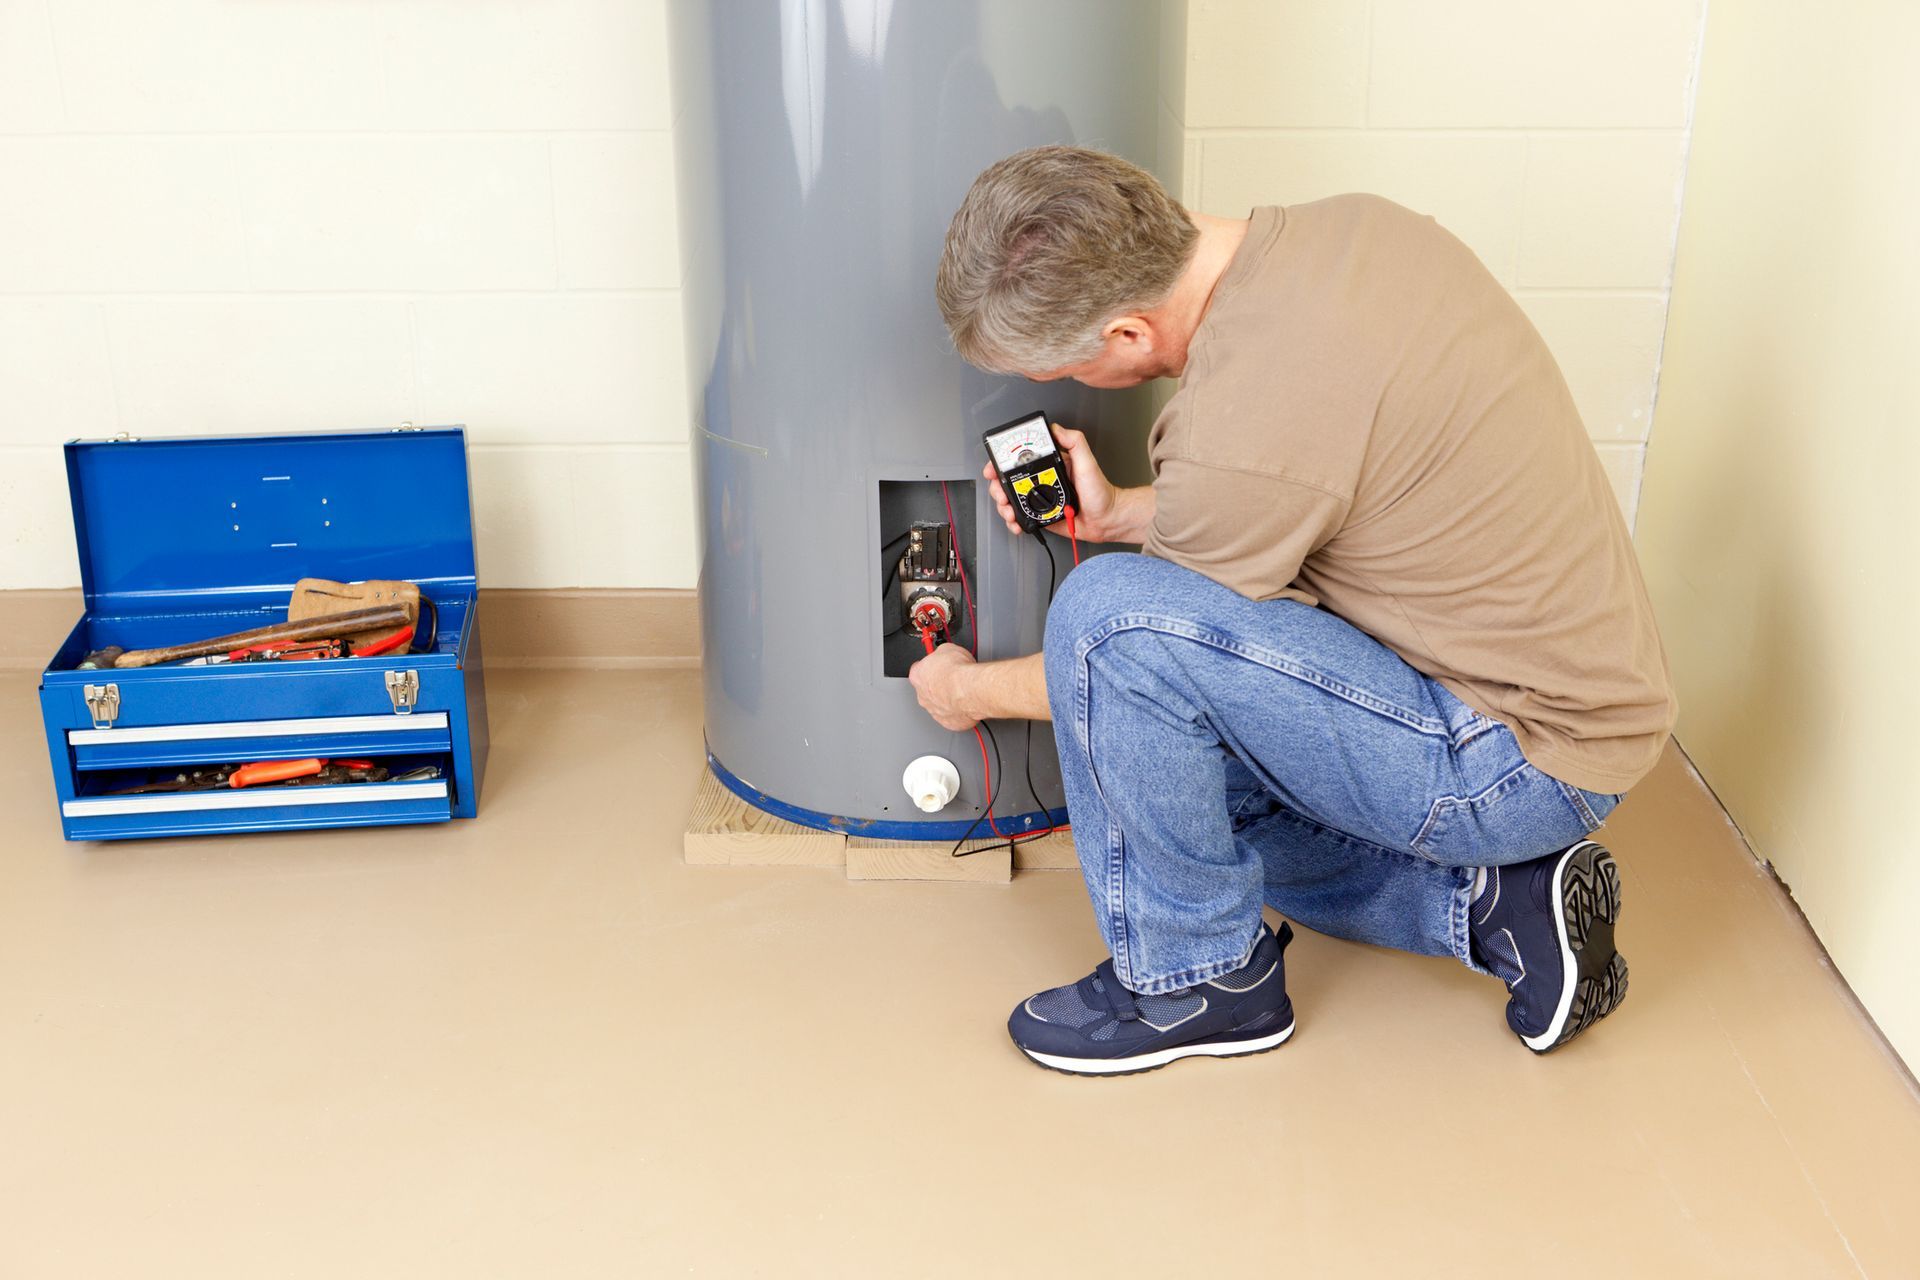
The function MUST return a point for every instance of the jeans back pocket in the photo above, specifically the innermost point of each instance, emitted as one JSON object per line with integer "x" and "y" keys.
{"x": 1523, "y": 814}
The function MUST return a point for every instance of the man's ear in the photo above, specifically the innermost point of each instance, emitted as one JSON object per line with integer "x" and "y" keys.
{"x": 1132, "y": 331}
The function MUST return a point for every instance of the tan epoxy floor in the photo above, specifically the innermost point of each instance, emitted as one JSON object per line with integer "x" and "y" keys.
{"x": 539, "y": 1045}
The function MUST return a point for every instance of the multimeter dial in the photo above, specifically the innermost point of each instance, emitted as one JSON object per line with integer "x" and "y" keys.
{"x": 1039, "y": 495}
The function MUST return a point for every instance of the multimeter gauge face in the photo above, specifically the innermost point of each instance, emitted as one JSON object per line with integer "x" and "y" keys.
{"x": 1022, "y": 444}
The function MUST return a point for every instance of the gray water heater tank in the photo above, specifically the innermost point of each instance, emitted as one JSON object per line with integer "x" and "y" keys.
{"x": 823, "y": 145}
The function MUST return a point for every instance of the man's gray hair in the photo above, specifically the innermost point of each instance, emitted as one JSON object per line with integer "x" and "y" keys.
{"x": 1049, "y": 245}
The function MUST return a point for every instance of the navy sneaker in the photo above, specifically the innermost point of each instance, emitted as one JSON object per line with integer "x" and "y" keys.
{"x": 1096, "y": 1027}
{"x": 1545, "y": 928}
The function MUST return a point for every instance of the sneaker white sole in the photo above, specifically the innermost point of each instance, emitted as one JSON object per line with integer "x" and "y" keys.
{"x": 1148, "y": 1061}
{"x": 1606, "y": 987}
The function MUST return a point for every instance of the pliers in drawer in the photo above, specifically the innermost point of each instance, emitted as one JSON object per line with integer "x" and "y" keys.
{"x": 310, "y": 772}
{"x": 198, "y": 780}
{"x": 335, "y": 772}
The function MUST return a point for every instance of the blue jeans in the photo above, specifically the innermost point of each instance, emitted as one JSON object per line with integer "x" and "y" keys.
{"x": 1220, "y": 752}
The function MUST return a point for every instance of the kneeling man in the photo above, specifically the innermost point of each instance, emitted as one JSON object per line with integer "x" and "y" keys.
{"x": 1385, "y": 661}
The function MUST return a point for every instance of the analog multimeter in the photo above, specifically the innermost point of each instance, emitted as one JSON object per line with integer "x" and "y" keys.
{"x": 1033, "y": 471}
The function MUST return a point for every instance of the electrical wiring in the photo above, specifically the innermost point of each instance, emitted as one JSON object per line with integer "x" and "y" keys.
{"x": 953, "y": 534}
{"x": 1053, "y": 574}
{"x": 958, "y": 850}
{"x": 993, "y": 788}
{"x": 892, "y": 563}
{"x": 893, "y": 575}
{"x": 886, "y": 583}
{"x": 1073, "y": 538}
{"x": 992, "y": 771}
{"x": 1007, "y": 842}
{"x": 973, "y": 634}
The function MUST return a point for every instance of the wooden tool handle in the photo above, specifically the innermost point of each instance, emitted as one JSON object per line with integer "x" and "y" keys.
{"x": 388, "y": 616}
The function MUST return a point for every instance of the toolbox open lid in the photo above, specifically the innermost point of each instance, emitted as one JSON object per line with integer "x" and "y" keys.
{"x": 165, "y": 522}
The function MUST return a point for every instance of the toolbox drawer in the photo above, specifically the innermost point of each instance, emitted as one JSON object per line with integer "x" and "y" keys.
{"x": 361, "y": 805}
{"x": 94, "y": 814}
{"x": 420, "y": 734}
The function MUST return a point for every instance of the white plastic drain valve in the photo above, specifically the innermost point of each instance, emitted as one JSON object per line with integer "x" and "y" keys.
{"x": 933, "y": 782}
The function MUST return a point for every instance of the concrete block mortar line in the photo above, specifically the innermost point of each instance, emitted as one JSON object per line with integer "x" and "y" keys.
{"x": 1645, "y": 292}
{"x": 1445, "y": 131}
{"x": 1673, "y": 256}
{"x": 1366, "y": 81}
{"x": 656, "y": 447}
{"x": 366, "y": 295}
{"x": 553, "y": 216}
{"x": 581, "y": 446}
{"x": 1520, "y": 226}
{"x": 105, "y": 328}
{"x": 413, "y": 359}
{"x": 326, "y": 135}
{"x": 59, "y": 73}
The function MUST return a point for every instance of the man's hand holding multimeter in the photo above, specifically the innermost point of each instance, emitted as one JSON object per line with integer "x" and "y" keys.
{"x": 1036, "y": 475}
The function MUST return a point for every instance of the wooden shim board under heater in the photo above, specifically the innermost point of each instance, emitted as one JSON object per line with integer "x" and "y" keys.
{"x": 725, "y": 831}
{"x": 926, "y": 860}
{"x": 1048, "y": 853}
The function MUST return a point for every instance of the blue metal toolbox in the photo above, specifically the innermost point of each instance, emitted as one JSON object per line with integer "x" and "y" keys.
{"x": 186, "y": 539}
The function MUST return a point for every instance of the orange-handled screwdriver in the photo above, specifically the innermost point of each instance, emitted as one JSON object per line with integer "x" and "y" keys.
{"x": 250, "y": 775}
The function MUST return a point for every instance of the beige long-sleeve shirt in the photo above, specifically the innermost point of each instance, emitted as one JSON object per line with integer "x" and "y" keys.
{"x": 1369, "y": 423}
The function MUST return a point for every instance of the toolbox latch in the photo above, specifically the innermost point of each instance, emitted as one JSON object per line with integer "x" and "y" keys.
{"x": 103, "y": 703}
{"x": 403, "y": 687}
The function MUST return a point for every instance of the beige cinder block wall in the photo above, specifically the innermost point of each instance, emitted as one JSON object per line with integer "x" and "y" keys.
{"x": 236, "y": 217}
{"x": 1550, "y": 137}
{"x": 1778, "y": 527}
{"x": 221, "y": 216}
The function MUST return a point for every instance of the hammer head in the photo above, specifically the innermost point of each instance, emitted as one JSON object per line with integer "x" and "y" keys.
{"x": 101, "y": 659}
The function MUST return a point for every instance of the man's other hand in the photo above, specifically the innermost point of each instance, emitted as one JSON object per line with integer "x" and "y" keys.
{"x": 940, "y": 681}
